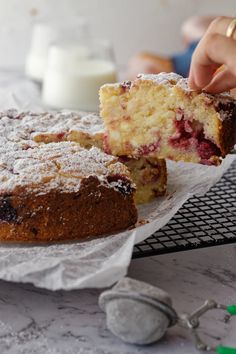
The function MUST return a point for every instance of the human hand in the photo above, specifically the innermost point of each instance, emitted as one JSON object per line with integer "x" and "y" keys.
{"x": 214, "y": 50}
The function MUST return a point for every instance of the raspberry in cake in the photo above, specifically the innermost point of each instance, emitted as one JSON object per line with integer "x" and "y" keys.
{"x": 158, "y": 116}
{"x": 61, "y": 191}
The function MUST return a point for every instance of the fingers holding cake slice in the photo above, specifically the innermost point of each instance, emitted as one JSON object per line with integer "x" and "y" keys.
{"x": 158, "y": 116}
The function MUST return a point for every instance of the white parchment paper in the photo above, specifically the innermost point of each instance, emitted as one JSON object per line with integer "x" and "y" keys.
{"x": 101, "y": 262}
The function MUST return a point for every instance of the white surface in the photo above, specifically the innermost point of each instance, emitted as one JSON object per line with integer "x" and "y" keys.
{"x": 131, "y": 25}
{"x": 36, "y": 321}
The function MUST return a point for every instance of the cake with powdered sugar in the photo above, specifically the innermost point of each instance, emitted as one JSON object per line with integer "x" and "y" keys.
{"x": 149, "y": 174}
{"x": 159, "y": 116}
{"x": 61, "y": 191}
{"x": 52, "y": 127}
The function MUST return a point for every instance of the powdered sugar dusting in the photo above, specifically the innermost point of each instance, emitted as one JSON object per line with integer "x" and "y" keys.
{"x": 63, "y": 166}
{"x": 16, "y": 126}
{"x": 161, "y": 78}
{"x": 174, "y": 79}
{"x": 26, "y": 165}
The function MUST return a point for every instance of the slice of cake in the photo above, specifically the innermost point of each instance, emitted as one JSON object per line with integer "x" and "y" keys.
{"x": 158, "y": 116}
{"x": 60, "y": 191}
{"x": 149, "y": 174}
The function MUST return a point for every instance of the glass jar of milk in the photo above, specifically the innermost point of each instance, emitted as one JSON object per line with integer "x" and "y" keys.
{"x": 44, "y": 34}
{"x": 74, "y": 74}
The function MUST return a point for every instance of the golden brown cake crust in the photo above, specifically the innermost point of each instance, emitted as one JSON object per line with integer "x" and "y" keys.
{"x": 93, "y": 211}
{"x": 43, "y": 173}
{"x": 60, "y": 191}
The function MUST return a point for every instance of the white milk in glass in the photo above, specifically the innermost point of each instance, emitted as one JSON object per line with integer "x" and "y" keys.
{"x": 73, "y": 82}
{"x": 44, "y": 35}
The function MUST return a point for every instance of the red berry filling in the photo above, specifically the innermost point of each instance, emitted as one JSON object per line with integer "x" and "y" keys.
{"x": 106, "y": 145}
{"x": 124, "y": 159}
{"x": 206, "y": 149}
{"x": 190, "y": 136}
{"x": 148, "y": 149}
{"x": 60, "y": 136}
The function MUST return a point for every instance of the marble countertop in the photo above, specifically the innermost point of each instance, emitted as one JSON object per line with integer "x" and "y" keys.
{"x": 39, "y": 321}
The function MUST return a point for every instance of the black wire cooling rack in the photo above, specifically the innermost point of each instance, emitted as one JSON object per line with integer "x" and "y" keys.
{"x": 201, "y": 222}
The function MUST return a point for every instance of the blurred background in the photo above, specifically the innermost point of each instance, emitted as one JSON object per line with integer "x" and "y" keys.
{"x": 131, "y": 25}
{"x": 156, "y": 27}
